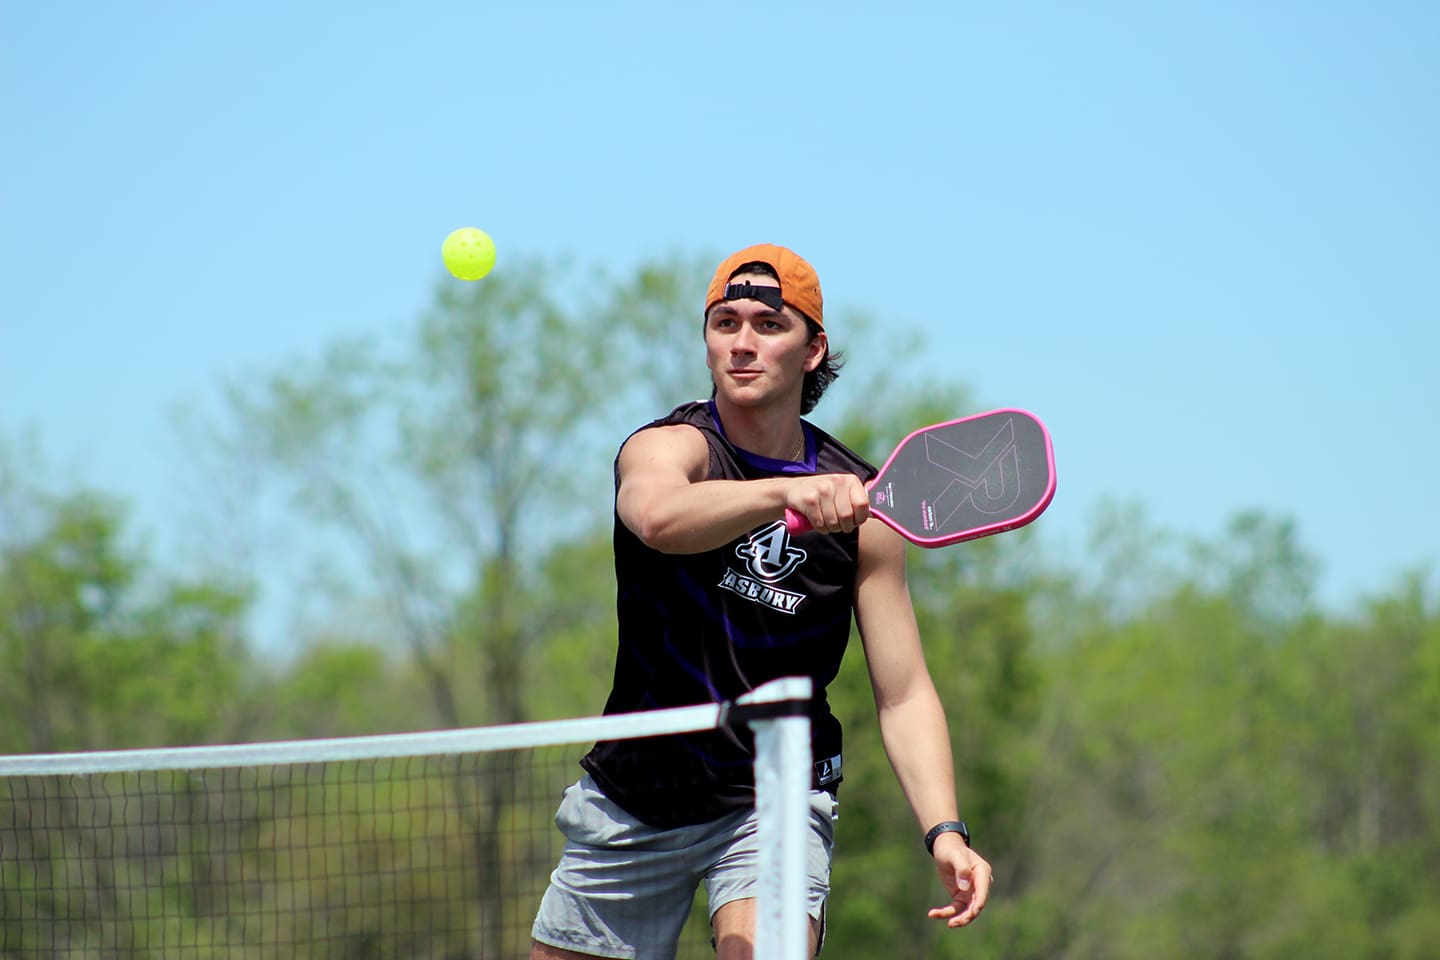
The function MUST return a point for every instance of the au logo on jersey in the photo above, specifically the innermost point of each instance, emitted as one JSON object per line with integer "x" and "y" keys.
{"x": 768, "y": 553}
{"x": 769, "y": 557}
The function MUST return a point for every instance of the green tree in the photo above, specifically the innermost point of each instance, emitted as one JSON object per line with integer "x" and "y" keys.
{"x": 452, "y": 468}
{"x": 1211, "y": 760}
{"x": 97, "y": 648}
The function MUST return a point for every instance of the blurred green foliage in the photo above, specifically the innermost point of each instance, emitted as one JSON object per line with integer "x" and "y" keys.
{"x": 1163, "y": 753}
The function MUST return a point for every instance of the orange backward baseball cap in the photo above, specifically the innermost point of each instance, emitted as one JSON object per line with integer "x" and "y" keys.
{"x": 799, "y": 283}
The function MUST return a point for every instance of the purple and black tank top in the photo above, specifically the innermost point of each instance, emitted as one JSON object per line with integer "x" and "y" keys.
{"x": 708, "y": 627}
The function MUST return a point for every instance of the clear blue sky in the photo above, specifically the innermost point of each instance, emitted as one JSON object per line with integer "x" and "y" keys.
{"x": 1202, "y": 240}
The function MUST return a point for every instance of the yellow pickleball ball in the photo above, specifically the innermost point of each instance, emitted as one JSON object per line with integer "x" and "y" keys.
{"x": 469, "y": 253}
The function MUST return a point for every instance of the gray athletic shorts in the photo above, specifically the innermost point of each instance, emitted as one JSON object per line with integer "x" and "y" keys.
{"x": 624, "y": 888}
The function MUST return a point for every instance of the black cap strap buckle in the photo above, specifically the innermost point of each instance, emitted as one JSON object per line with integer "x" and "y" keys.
{"x": 770, "y": 296}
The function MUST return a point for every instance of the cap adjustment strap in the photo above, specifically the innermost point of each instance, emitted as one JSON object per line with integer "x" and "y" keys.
{"x": 770, "y": 296}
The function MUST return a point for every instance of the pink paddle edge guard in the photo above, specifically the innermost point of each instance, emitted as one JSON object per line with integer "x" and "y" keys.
{"x": 796, "y": 522}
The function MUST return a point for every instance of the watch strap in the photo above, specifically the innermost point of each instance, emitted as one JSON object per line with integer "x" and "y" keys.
{"x": 946, "y": 826}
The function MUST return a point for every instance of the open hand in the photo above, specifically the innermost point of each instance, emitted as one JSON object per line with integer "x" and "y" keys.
{"x": 966, "y": 876}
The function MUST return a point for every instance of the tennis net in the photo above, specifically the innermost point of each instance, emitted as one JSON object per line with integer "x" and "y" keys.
{"x": 432, "y": 844}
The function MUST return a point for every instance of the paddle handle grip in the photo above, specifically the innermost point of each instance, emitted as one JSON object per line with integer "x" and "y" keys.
{"x": 796, "y": 522}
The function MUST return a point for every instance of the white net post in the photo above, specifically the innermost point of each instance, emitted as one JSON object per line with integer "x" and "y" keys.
{"x": 783, "y": 768}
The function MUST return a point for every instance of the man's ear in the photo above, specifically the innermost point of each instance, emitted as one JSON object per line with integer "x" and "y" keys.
{"x": 815, "y": 351}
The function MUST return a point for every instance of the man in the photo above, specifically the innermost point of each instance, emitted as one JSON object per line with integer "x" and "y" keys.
{"x": 715, "y": 596}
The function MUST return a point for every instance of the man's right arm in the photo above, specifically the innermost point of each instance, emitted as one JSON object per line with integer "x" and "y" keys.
{"x": 665, "y": 500}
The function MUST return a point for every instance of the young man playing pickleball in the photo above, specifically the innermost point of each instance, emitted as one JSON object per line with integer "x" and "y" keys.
{"x": 716, "y": 596}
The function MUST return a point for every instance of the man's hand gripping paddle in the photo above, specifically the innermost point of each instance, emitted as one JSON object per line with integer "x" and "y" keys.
{"x": 962, "y": 479}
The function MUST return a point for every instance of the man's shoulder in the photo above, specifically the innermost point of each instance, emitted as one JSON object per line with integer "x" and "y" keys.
{"x": 693, "y": 414}
{"x": 679, "y": 438}
{"x": 682, "y": 422}
{"x": 696, "y": 413}
{"x": 832, "y": 456}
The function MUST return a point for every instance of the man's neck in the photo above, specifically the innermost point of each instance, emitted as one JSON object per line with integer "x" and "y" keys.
{"x": 772, "y": 432}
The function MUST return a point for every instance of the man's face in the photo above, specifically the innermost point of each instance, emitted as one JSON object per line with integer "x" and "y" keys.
{"x": 756, "y": 353}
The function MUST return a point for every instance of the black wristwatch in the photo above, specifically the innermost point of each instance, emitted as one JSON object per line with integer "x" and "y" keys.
{"x": 946, "y": 826}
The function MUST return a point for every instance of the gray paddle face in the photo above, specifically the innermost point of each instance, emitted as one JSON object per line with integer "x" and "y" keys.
{"x": 966, "y": 478}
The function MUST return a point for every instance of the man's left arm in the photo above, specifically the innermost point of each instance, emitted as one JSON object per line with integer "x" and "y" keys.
{"x": 912, "y": 719}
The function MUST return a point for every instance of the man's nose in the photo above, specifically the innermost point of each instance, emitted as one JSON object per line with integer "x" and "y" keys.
{"x": 744, "y": 341}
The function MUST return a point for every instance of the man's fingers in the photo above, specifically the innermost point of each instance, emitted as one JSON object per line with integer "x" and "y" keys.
{"x": 971, "y": 892}
{"x": 833, "y": 503}
{"x": 860, "y": 504}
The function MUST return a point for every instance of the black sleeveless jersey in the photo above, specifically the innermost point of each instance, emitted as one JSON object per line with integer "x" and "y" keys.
{"x": 707, "y": 627}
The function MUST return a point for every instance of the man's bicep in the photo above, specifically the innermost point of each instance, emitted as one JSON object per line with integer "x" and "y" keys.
{"x": 655, "y": 462}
